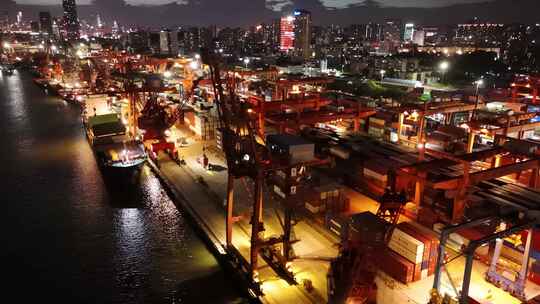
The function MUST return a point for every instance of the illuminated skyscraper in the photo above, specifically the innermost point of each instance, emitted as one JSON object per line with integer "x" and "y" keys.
{"x": 71, "y": 20}
{"x": 408, "y": 34}
{"x": 302, "y": 33}
{"x": 99, "y": 23}
{"x": 287, "y": 34}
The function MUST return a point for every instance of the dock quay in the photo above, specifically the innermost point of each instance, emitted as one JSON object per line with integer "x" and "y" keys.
{"x": 308, "y": 194}
{"x": 201, "y": 203}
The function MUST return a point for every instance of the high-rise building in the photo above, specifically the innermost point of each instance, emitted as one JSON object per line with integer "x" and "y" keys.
{"x": 374, "y": 32}
{"x": 286, "y": 40}
{"x": 19, "y": 18}
{"x": 99, "y": 23}
{"x": 4, "y": 21}
{"x": 419, "y": 37}
{"x": 115, "y": 30}
{"x": 408, "y": 33}
{"x": 71, "y": 20}
{"x": 173, "y": 42}
{"x": 480, "y": 34}
{"x": 45, "y": 23}
{"x": 34, "y": 26}
{"x": 391, "y": 35}
{"x": 56, "y": 27}
{"x": 302, "y": 33}
{"x": 164, "y": 42}
{"x": 138, "y": 41}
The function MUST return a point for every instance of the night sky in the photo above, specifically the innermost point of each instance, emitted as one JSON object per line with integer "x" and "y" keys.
{"x": 324, "y": 12}
{"x": 279, "y": 3}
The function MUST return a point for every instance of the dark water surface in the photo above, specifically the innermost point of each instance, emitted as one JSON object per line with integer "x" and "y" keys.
{"x": 69, "y": 237}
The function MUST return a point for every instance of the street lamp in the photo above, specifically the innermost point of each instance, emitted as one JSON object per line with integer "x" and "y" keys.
{"x": 444, "y": 67}
{"x": 246, "y": 61}
{"x": 382, "y": 74}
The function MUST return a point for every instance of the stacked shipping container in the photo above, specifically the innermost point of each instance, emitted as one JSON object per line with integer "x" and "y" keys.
{"x": 412, "y": 249}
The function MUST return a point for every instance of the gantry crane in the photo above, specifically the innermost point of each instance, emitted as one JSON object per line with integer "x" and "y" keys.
{"x": 245, "y": 159}
{"x": 249, "y": 159}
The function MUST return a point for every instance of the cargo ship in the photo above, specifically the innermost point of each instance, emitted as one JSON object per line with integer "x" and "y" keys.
{"x": 107, "y": 133}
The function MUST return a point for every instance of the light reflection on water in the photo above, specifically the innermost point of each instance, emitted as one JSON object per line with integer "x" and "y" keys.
{"x": 76, "y": 238}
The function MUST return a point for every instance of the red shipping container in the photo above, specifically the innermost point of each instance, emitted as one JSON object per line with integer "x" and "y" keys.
{"x": 417, "y": 276}
{"x": 535, "y": 267}
{"x": 432, "y": 265}
{"x": 534, "y": 277}
{"x": 397, "y": 267}
{"x": 535, "y": 241}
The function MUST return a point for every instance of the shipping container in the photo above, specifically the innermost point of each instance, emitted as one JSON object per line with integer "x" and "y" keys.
{"x": 296, "y": 147}
{"x": 434, "y": 246}
{"x": 366, "y": 227}
{"x": 406, "y": 246}
{"x": 427, "y": 249}
{"x": 534, "y": 277}
{"x": 397, "y": 267}
{"x": 337, "y": 224}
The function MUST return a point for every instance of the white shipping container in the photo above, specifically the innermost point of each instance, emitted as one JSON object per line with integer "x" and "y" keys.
{"x": 407, "y": 246}
{"x": 375, "y": 175}
{"x": 411, "y": 256}
{"x": 410, "y": 244}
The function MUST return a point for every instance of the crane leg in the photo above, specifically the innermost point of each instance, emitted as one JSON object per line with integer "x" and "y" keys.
{"x": 230, "y": 206}
{"x": 256, "y": 225}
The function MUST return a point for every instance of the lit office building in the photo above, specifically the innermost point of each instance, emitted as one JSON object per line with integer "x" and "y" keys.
{"x": 71, "y": 20}
{"x": 287, "y": 34}
{"x": 408, "y": 34}
{"x": 302, "y": 33}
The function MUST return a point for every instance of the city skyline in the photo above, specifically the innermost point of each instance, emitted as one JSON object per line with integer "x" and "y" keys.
{"x": 271, "y": 151}
{"x": 249, "y": 12}
{"x": 278, "y": 4}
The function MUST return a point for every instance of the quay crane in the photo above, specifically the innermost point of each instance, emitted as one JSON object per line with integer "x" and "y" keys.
{"x": 245, "y": 159}
{"x": 155, "y": 117}
{"x": 249, "y": 159}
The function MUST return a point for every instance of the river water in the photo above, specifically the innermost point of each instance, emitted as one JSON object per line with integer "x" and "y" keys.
{"x": 70, "y": 237}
